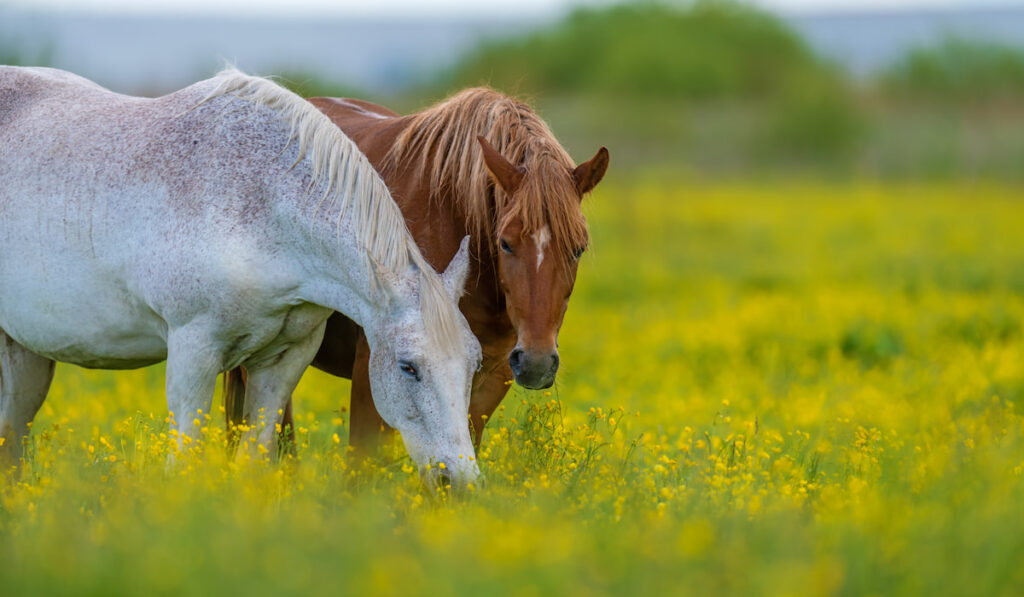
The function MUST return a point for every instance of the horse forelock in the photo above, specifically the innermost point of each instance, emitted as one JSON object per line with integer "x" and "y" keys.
{"x": 349, "y": 179}
{"x": 441, "y": 142}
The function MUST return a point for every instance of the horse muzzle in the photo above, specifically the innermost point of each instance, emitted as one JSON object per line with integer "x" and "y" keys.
{"x": 532, "y": 369}
{"x": 452, "y": 479}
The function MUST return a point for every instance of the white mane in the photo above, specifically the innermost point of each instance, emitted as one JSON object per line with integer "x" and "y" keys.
{"x": 350, "y": 179}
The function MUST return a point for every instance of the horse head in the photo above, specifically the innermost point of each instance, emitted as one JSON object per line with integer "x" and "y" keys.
{"x": 421, "y": 376}
{"x": 540, "y": 237}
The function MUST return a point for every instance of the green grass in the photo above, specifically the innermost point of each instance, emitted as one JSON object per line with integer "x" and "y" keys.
{"x": 779, "y": 389}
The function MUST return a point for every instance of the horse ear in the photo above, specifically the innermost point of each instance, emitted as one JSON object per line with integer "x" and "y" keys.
{"x": 454, "y": 275}
{"x": 507, "y": 175}
{"x": 589, "y": 173}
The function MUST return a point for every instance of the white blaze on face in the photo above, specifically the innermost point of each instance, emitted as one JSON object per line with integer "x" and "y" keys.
{"x": 541, "y": 238}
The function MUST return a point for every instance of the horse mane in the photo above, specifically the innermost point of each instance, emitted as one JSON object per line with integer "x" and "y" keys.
{"x": 442, "y": 139}
{"x": 349, "y": 178}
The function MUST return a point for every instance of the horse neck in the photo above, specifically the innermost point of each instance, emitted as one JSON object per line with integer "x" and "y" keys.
{"x": 335, "y": 272}
{"x": 438, "y": 226}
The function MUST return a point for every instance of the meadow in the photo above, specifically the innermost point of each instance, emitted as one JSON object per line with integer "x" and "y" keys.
{"x": 779, "y": 389}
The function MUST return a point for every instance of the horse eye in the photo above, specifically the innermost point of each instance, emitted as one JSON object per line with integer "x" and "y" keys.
{"x": 578, "y": 253}
{"x": 409, "y": 370}
{"x": 505, "y": 246}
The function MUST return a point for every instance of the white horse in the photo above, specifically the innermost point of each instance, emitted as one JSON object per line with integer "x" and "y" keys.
{"x": 214, "y": 227}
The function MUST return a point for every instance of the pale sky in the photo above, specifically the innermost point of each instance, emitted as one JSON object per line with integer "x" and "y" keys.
{"x": 446, "y": 8}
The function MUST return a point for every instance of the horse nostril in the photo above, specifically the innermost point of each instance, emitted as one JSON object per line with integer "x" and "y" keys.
{"x": 554, "y": 362}
{"x": 515, "y": 360}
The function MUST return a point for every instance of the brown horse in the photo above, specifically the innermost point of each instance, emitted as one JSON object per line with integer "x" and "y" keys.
{"x": 483, "y": 164}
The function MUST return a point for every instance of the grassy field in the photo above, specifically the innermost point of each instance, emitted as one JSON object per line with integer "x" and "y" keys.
{"x": 781, "y": 390}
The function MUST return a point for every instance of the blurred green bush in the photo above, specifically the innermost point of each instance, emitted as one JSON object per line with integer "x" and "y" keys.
{"x": 704, "y": 50}
{"x": 814, "y": 118}
{"x": 957, "y": 70}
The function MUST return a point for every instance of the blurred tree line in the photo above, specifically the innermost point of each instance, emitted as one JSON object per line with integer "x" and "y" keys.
{"x": 718, "y": 88}
{"x": 721, "y": 88}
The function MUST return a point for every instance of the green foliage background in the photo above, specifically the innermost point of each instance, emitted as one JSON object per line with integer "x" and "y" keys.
{"x": 957, "y": 71}
{"x": 719, "y": 89}
{"x": 709, "y": 51}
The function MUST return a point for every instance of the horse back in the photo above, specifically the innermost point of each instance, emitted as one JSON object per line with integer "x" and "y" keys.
{"x": 350, "y": 107}
{"x": 21, "y": 88}
{"x": 357, "y": 118}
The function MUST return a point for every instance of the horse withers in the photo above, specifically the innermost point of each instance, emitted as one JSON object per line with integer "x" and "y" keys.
{"x": 214, "y": 227}
{"x": 484, "y": 164}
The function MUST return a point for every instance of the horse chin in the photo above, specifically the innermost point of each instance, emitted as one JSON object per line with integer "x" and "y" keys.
{"x": 456, "y": 476}
{"x": 451, "y": 468}
{"x": 452, "y": 480}
{"x": 531, "y": 381}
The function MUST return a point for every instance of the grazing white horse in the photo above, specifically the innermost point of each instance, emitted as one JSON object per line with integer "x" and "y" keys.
{"x": 214, "y": 227}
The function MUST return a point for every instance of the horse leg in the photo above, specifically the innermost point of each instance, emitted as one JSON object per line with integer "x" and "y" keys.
{"x": 270, "y": 389}
{"x": 368, "y": 430}
{"x": 24, "y": 381}
{"x": 287, "y": 438}
{"x": 193, "y": 363}
{"x": 489, "y": 388}
{"x": 235, "y": 382}
{"x": 234, "y": 397}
